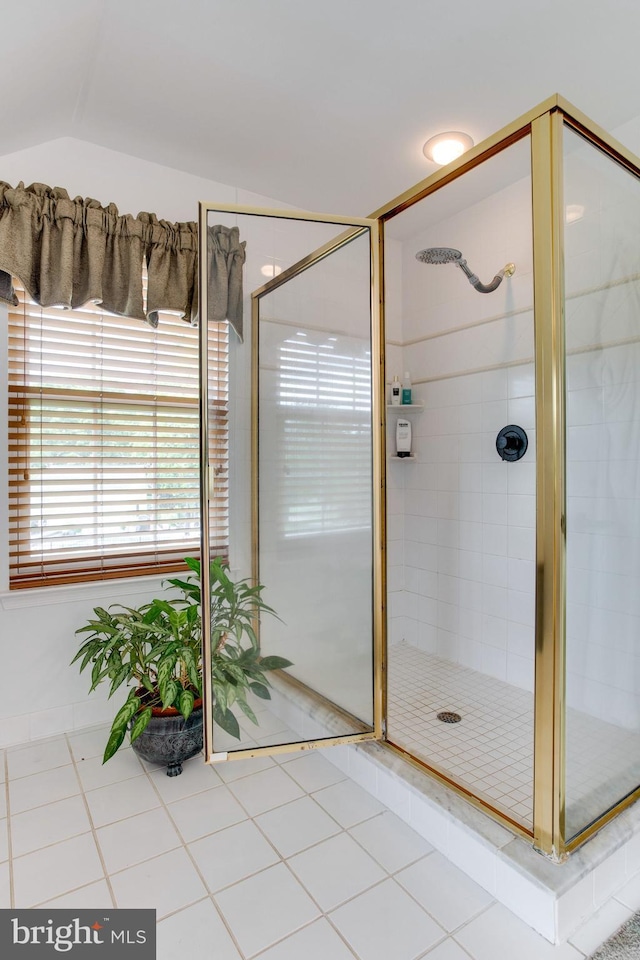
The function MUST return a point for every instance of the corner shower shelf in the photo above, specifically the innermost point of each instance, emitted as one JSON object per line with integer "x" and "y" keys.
{"x": 398, "y": 408}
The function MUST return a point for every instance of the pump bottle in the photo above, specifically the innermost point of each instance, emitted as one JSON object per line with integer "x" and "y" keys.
{"x": 406, "y": 388}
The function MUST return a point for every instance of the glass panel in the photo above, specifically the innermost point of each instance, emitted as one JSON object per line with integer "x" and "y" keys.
{"x": 460, "y": 519}
{"x": 312, "y": 545}
{"x": 602, "y": 290}
{"x": 315, "y": 475}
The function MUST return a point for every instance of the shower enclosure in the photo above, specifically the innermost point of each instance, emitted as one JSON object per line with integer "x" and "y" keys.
{"x": 474, "y": 605}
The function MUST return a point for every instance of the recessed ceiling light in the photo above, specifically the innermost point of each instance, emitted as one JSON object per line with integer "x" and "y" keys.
{"x": 270, "y": 270}
{"x": 445, "y": 147}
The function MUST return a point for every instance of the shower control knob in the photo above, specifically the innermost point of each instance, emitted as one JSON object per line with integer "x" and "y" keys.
{"x": 512, "y": 442}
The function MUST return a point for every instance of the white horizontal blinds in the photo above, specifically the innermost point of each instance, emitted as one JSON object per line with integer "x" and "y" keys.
{"x": 324, "y": 413}
{"x": 104, "y": 461}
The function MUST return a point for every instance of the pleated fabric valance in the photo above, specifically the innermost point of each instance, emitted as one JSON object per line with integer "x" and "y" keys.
{"x": 68, "y": 252}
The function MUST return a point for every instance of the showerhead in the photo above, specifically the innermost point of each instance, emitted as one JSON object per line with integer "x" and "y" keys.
{"x": 439, "y": 255}
{"x": 449, "y": 255}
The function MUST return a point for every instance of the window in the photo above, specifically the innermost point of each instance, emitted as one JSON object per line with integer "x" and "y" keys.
{"x": 324, "y": 404}
{"x": 104, "y": 449}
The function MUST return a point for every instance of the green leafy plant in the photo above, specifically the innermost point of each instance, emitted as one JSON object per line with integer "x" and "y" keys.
{"x": 156, "y": 650}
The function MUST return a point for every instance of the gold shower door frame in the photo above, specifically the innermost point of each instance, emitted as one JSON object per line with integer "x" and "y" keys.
{"x": 354, "y": 227}
{"x": 544, "y": 124}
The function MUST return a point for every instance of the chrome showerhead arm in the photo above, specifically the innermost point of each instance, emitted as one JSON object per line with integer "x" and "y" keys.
{"x": 507, "y": 271}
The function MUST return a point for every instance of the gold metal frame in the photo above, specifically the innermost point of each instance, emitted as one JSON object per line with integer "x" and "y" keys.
{"x": 548, "y": 297}
{"x": 356, "y": 226}
{"x": 205, "y": 478}
{"x": 544, "y": 124}
{"x": 594, "y": 134}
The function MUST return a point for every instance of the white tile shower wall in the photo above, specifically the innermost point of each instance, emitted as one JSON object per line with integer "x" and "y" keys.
{"x": 469, "y": 527}
{"x": 469, "y": 518}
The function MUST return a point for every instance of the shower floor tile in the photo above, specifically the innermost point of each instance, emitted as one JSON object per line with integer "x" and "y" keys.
{"x": 490, "y": 751}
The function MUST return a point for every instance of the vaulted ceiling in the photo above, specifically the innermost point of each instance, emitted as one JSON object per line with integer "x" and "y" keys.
{"x": 322, "y": 104}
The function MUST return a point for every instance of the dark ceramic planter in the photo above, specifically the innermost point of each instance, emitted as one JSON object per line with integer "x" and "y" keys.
{"x": 171, "y": 740}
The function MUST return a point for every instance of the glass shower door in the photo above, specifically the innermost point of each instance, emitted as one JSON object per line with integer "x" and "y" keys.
{"x": 461, "y": 516}
{"x": 315, "y": 506}
{"x": 602, "y": 291}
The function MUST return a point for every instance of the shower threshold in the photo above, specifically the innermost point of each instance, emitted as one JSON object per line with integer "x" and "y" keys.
{"x": 555, "y": 899}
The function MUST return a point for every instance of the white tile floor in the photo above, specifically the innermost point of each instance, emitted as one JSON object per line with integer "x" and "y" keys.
{"x": 491, "y": 750}
{"x": 253, "y": 859}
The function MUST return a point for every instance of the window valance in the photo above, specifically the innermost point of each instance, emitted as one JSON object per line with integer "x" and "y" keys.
{"x": 68, "y": 252}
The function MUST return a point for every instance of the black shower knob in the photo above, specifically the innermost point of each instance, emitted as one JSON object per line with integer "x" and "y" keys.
{"x": 512, "y": 442}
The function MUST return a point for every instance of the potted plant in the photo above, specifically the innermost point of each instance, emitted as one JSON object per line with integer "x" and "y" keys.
{"x": 156, "y": 650}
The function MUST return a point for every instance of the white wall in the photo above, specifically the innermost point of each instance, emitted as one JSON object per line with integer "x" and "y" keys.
{"x": 41, "y": 694}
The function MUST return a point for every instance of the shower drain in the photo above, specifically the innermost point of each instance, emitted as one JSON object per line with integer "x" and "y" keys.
{"x": 447, "y": 716}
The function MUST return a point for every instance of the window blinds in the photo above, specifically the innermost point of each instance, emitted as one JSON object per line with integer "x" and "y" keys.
{"x": 324, "y": 435}
{"x": 104, "y": 449}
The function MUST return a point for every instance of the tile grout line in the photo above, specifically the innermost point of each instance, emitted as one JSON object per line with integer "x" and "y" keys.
{"x": 123, "y": 819}
{"x": 54, "y": 843}
{"x": 24, "y": 776}
{"x": 344, "y": 831}
{"x": 327, "y": 913}
{"x": 183, "y": 842}
{"x": 12, "y": 897}
{"x": 471, "y": 920}
{"x": 206, "y": 897}
{"x": 284, "y": 862}
{"x": 470, "y": 956}
{"x": 304, "y": 926}
{"x": 185, "y": 846}
{"x": 449, "y": 933}
{"x": 91, "y": 823}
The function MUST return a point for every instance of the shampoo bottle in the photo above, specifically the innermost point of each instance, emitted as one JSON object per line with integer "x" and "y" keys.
{"x": 403, "y": 438}
{"x": 406, "y": 388}
{"x": 395, "y": 392}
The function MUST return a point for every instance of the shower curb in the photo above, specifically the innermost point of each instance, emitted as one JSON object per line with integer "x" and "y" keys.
{"x": 556, "y": 899}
